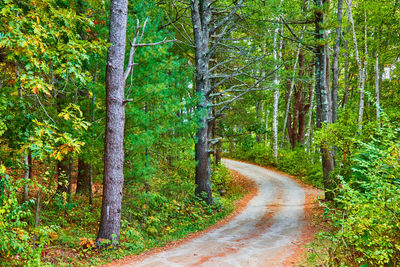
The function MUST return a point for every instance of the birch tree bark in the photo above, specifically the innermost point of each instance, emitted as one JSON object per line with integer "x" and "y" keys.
{"x": 275, "y": 109}
{"x": 377, "y": 93}
{"x": 115, "y": 123}
{"x": 328, "y": 80}
{"x": 361, "y": 68}
{"x": 346, "y": 74}
{"x": 335, "y": 62}
{"x": 310, "y": 114}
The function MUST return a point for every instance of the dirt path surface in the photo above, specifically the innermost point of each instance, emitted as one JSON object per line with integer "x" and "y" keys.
{"x": 259, "y": 236}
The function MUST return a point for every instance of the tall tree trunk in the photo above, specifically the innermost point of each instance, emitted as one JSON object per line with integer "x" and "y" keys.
{"x": 321, "y": 94}
{"x": 301, "y": 103}
{"x": 25, "y": 156}
{"x": 346, "y": 75}
{"x": 30, "y": 175}
{"x": 289, "y": 98}
{"x": 310, "y": 112}
{"x": 377, "y": 93}
{"x": 110, "y": 222}
{"x": 361, "y": 68}
{"x": 201, "y": 17}
{"x": 92, "y": 120}
{"x": 328, "y": 81}
{"x": 335, "y": 62}
{"x": 293, "y": 80}
{"x": 27, "y": 176}
{"x": 276, "y": 98}
{"x": 296, "y": 126}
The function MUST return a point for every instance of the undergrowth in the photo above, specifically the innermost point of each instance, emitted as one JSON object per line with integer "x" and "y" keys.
{"x": 364, "y": 220}
{"x": 161, "y": 211}
{"x": 306, "y": 166}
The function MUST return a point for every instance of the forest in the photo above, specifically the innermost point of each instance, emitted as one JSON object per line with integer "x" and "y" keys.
{"x": 116, "y": 117}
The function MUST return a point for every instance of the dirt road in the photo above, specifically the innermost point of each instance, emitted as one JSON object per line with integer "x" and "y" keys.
{"x": 259, "y": 236}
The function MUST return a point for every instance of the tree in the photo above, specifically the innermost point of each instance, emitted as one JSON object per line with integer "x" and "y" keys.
{"x": 335, "y": 61}
{"x": 321, "y": 95}
{"x": 116, "y": 76}
{"x": 113, "y": 182}
{"x": 361, "y": 65}
{"x": 201, "y": 18}
{"x": 228, "y": 79}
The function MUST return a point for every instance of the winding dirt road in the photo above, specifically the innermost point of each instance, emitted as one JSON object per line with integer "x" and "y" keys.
{"x": 259, "y": 236}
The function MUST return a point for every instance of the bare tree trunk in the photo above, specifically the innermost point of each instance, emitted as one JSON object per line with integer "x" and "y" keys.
{"x": 346, "y": 75}
{"x": 377, "y": 93}
{"x": 110, "y": 222}
{"x": 296, "y": 124}
{"x": 37, "y": 214}
{"x": 38, "y": 208}
{"x": 276, "y": 99}
{"x": 335, "y": 62}
{"x": 91, "y": 165}
{"x": 321, "y": 94}
{"x": 310, "y": 115}
{"x": 201, "y": 17}
{"x": 302, "y": 106}
{"x": 361, "y": 68}
{"x": 328, "y": 80}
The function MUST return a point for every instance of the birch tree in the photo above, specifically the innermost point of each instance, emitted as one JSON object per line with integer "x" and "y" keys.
{"x": 377, "y": 93}
{"x": 275, "y": 109}
{"x": 360, "y": 65}
{"x": 335, "y": 61}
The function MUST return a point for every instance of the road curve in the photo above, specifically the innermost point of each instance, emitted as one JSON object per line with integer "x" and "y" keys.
{"x": 257, "y": 236}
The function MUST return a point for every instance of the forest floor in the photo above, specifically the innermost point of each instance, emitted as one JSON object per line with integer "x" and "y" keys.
{"x": 270, "y": 229}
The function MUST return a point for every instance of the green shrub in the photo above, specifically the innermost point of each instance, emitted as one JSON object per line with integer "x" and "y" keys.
{"x": 220, "y": 178}
{"x": 297, "y": 162}
{"x": 15, "y": 239}
{"x": 365, "y": 216}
